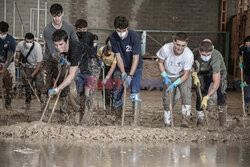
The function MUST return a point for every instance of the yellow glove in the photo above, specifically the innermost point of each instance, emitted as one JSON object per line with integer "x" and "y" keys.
{"x": 204, "y": 102}
{"x": 195, "y": 78}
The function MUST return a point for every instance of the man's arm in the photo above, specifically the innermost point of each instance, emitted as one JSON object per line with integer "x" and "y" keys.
{"x": 216, "y": 84}
{"x": 17, "y": 58}
{"x": 134, "y": 64}
{"x": 72, "y": 73}
{"x": 112, "y": 69}
{"x": 38, "y": 67}
{"x": 161, "y": 65}
{"x": 185, "y": 75}
{"x": 120, "y": 62}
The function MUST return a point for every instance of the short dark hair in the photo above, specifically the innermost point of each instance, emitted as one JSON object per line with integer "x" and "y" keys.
{"x": 247, "y": 39}
{"x": 107, "y": 40}
{"x": 29, "y": 36}
{"x": 81, "y": 23}
{"x": 59, "y": 35}
{"x": 56, "y": 9}
{"x": 121, "y": 22}
{"x": 181, "y": 36}
{"x": 4, "y": 26}
{"x": 95, "y": 37}
{"x": 206, "y": 46}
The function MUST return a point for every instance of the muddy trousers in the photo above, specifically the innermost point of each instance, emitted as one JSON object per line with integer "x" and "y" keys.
{"x": 206, "y": 80}
{"x": 7, "y": 85}
{"x": 38, "y": 80}
{"x": 118, "y": 87}
{"x": 108, "y": 87}
{"x": 49, "y": 73}
{"x": 185, "y": 92}
{"x": 85, "y": 86}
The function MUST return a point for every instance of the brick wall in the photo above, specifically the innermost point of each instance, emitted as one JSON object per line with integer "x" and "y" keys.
{"x": 178, "y": 15}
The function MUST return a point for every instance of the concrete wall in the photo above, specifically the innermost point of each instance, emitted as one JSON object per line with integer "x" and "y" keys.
{"x": 178, "y": 15}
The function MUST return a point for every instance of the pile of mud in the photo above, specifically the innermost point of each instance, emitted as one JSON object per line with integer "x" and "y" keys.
{"x": 40, "y": 131}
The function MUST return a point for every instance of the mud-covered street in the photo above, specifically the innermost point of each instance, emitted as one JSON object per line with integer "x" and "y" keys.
{"x": 106, "y": 128}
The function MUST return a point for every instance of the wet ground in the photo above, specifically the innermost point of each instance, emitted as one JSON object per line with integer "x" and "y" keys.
{"x": 106, "y": 128}
{"x": 81, "y": 154}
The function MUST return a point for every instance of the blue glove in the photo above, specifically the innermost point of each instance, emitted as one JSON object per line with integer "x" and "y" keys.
{"x": 165, "y": 77}
{"x": 241, "y": 65}
{"x": 64, "y": 61}
{"x": 53, "y": 91}
{"x": 173, "y": 85}
{"x": 124, "y": 76}
{"x": 243, "y": 84}
{"x": 128, "y": 80}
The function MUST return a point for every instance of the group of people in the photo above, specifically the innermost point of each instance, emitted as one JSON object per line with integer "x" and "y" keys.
{"x": 71, "y": 55}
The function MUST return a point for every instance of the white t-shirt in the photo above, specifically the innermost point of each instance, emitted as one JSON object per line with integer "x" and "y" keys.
{"x": 174, "y": 65}
{"x": 35, "y": 55}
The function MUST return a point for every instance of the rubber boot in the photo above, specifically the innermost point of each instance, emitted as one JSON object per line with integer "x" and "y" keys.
{"x": 88, "y": 112}
{"x": 201, "y": 120}
{"x": 223, "y": 115}
{"x": 186, "y": 110}
{"x": 167, "y": 118}
{"x": 136, "y": 106}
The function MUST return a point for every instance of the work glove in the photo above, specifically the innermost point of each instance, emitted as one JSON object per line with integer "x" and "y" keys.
{"x": 53, "y": 91}
{"x": 3, "y": 70}
{"x": 165, "y": 77}
{"x": 241, "y": 64}
{"x": 243, "y": 84}
{"x": 204, "y": 102}
{"x": 173, "y": 85}
{"x": 128, "y": 80}
{"x": 195, "y": 78}
{"x": 124, "y": 76}
{"x": 106, "y": 79}
{"x": 102, "y": 64}
{"x": 64, "y": 61}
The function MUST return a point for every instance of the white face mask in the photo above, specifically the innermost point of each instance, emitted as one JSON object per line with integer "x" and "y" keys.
{"x": 205, "y": 58}
{"x": 121, "y": 34}
{"x": 94, "y": 44}
{"x": 3, "y": 36}
{"x": 28, "y": 45}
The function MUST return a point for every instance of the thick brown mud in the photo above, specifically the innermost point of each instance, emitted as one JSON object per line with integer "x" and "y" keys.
{"x": 105, "y": 127}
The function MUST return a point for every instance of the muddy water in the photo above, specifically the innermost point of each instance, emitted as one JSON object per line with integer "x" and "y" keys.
{"x": 17, "y": 154}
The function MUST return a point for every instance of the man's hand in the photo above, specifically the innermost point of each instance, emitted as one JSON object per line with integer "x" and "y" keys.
{"x": 3, "y": 70}
{"x": 165, "y": 77}
{"x": 173, "y": 85}
{"x": 64, "y": 61}
{"x": 53, "y": 91}
{"x": 195, "y": 78}
{"x": 241, "y": 65}
{"x": 124, "y": 76}
{"x": 128, "y": 80}
{"x": 106, "y": 79}
{"x": 243, "y": 84}
{"x": 204, "y": 102}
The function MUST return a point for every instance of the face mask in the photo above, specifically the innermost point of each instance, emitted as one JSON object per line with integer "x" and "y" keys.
{"x": 121, "y": 34}
{"x": 81, "y": 34}
{"x": 248, "y": 49}
{"x": 94, "y": 44}
{"x": 3, "y": 36}
{"x": 205, "y": 58}
{"x": 28, "y": 45}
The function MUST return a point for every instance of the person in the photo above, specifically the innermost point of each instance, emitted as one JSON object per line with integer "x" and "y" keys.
{"x": 209, "y": 67}
{"x": 245, "y": 65}
{"x": 108, "y": 62}
{"x": 29, "y": 53}
{"x": 127, "y": 48}
{"x": 82, "y": 59}
{"x": 7, "y": 50}
{"x": 95, "y": 43}
{"x": 175, "y": 61}
{"x": 50, "y": 61}
{"x": 83, "y": 34}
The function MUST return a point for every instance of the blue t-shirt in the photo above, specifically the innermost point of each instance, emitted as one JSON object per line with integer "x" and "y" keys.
{"x": 7, "y": 45}
{"x": 127, "y": 47}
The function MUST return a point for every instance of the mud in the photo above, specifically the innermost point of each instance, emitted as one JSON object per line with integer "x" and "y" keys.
{"x": 105, "y": 127}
